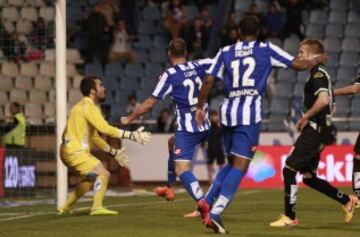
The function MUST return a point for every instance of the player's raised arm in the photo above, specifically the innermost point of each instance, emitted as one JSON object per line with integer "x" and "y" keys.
{"x": 349, "y": 90}
{"x": 144, "y": 108}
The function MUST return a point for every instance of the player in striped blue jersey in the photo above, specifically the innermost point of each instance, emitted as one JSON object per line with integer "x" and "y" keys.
{"x": 244, "y": 68}
{"x": 183, "y": 82}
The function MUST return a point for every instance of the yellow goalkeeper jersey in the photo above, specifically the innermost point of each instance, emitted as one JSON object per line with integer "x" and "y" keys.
{"x": 84, "y": 123}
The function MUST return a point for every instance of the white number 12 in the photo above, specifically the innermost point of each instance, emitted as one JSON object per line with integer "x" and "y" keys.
{"x": 246, "y": 80}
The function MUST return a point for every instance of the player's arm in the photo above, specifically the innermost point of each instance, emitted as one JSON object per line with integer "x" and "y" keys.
{"x": 117, "y": 154}
{"x": 205, "y": 90}
{"x": 95, "y": 118}
{"x": 146, "y": 106}
{"x": 348, "y": 90}
{"x": 304, "y": 64}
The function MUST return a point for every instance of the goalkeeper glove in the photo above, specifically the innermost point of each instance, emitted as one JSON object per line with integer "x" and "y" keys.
{"x": 119, "y": 156}
{"x": 137, "y": 136}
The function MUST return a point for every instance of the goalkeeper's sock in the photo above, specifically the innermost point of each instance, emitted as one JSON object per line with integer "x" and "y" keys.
{"x": 191, "y": 184}
{"x": 356, "y": 177}
{"x": 215, "y": 187}
{"x": 291, "y": 190}
{"x": 171, "y": 170}
{"x": 326, "y": 188}
{"x": 227, "y": 193}
{"x": 100, "y": 187}
{"x": 82, "y": 188}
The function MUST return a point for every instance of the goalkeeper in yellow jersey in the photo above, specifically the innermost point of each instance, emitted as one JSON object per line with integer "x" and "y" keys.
{"x": 82, "y": 131}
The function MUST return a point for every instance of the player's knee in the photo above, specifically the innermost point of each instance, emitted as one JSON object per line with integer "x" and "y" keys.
{"x": 181, "y": 167}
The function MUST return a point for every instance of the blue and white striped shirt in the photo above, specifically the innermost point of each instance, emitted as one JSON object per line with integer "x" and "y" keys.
{"x": 183, "y": 82}
{"x": 244, "y": 68}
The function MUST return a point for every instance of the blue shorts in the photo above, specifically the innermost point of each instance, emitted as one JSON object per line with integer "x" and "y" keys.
{"x": 241, "y": 140}
{"x": 185, "y": 143}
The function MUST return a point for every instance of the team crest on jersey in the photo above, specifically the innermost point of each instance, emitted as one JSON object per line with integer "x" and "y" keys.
{"x": 177, "y": 151}
{"x": 319, "y": 75}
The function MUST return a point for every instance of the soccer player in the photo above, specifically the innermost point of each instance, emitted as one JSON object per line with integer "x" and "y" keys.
{"x": 314, "y": 125}
{"x": 182, "y": 81}
{"x": 244, "y": 67}
{"x": 352, "y": 90}
{"x": 82, "y": 131}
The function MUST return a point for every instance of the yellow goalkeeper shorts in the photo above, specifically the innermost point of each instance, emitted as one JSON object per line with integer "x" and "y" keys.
{"x": 81, "y": 163}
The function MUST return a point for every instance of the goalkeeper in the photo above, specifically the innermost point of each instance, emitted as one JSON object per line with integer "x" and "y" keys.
{"x": 82, "y": 131}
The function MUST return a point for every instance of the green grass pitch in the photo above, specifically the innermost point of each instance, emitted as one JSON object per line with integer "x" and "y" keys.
{"x": 248, "y": 215}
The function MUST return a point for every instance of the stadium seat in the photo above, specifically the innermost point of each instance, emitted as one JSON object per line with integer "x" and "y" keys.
{"x": 333, "y": 60}
{"x": 283, "y": 90}
{"x": 341, "y": 126}
{"x": 147, "y": 27}
{"x": 111, "y": 83}
{"x": 19, "y": 96}
{"x": 49, "y": 109}
{"x": 48, "y": 13}
{"x": 275, "y": 41}
{"x": 43, "y": 83}
{"x": 346, "y": 74}
{"x": 279, "y": 106}
{"x": 151, "y": 13}
{"x": 302, "y": 76}
{"x": 50, "y": 55}
{"x": 287, "y": 76}
{"x": 334, "y": 30}
{"x": 350, "y": 44}
{"x": 352, "y": 30}
{"x": 10, "y": 69}
{"x": 342, "y": 107}
{"x": 318, "y": 17}
{"x": 9, "y": 26}
{"x": 339, "y": 5}
{"x": 130, "y": 84}
{"x": 291, "y": 45}
{"x": 23, "y": 83}
{"x": 37, "y": 96}
{"x": 134, "y": 70}
{"x": 338, "y": 17}
{"x": 10, "y": 13}
{"x": 141, "y": 55}
{"x": 153, "y": 70}
{"x": 332, "y": 71}
{"x": 47, "y": 69}
{"x": 121, "y": 95}
{"x": 158, "y": 55}
{"x": 144, "y": 42}
{"x": 3, "y": 98}
{"x": 354, "y": 17}
{"x": 71, "y": 70}
{"x": 29, "y": 69}
{"x": 2, "y": 114}
{"x": 265, "y": 107}
{"x": 354, "y": 126}
{"x": 298, "y": 89}
{"x": 242, "y": 5}
{"x": 7, "y": 83}
{"x": 76, "y": 81}
{"x": 73, "y": 56}
{"x": 23, "y": 27}
{"x": 191, "y": 12}
{"x": 93, "y": 69}
{"x": 29, "y": 13}
{"x": 276, "y": 123}
{"x": 161, "y": 41}
{"x": 16, "y": 3}
{"x": 142, "y": 95}
{"x": 114, "y": 69}
{"x": 51, "y": 96}
{"x": 349, "y": 59}
{"x": 315, "y": 31}
{"x": 332, "y": 45}
{"x": 33, "y": 109}
{"x": 36, "y": 3}
{"x": 148, "y": 84}
{"x": 74, "y": 96}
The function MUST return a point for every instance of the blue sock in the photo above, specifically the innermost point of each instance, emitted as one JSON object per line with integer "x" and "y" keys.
{"x": 192, "y": 186}
{"x": 227, "y": 193}
{"x": 215, "y": 187}
{"x": 171, "y": 170}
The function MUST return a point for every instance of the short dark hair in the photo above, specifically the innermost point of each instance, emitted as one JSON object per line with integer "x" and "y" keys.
{"x": 249, "y": 26}
{"x": 316, "y": 46}
{"x": 177, "y": 47}
{"x": 88, "y": 83}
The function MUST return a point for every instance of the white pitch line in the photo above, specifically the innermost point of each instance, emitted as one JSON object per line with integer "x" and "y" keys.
{"x": 26, "y": 215}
